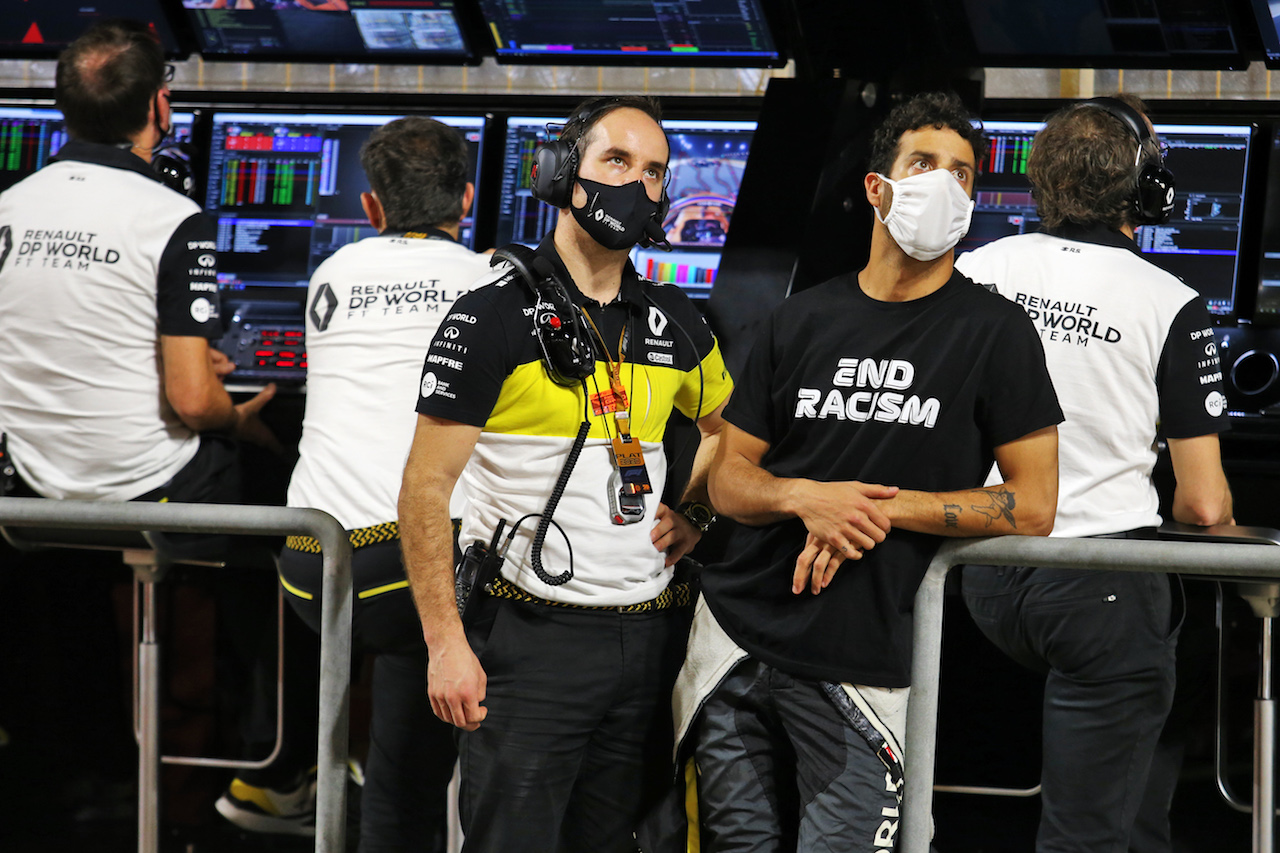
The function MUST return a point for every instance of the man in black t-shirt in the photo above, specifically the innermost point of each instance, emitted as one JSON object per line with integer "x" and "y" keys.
{"x": 903, "y": 374}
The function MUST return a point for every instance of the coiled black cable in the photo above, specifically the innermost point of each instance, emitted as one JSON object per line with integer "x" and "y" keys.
{"x": 544, "y": 523}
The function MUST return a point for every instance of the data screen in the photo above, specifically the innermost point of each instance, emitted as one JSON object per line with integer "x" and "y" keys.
{"x": 285, "y": 191}
{"x": 42, "y": 28}
{"x": 640, "y": 30}
{"x": 708, "y": 158}
{"x": 355, "y": 30}
{"x": 1099, "y": 29}
{"x": 29, "y": 136}
{"x": 1201, "y": 242}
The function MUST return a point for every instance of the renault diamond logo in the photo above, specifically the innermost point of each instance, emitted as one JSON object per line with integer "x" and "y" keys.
{"x": 323, "y": 306}
{"x": 657, "y": 321}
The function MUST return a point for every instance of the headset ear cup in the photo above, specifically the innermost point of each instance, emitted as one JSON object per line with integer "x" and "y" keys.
{"x": 1155, "y": 195}
{"x": 552, "y": 174}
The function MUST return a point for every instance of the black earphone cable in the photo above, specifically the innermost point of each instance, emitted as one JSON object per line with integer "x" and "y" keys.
{"x": 544, "y": 521}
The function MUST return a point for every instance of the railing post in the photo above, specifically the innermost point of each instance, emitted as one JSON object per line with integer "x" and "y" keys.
{"x": 922, "y": 708}
{"x": 335, "y": 635}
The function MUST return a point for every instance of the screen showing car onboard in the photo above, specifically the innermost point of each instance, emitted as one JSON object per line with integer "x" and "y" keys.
{"x": 708, "y": 158}
{"x": 1200, "y": 244}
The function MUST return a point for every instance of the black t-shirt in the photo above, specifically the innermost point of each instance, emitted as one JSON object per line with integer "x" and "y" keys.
{"x": 843, "y": 387}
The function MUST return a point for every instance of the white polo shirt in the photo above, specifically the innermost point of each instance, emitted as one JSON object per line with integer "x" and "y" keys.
{"x": 1131, "y": 352}
{"x": 97, "y": 260}
{"x": 372, "y": 310}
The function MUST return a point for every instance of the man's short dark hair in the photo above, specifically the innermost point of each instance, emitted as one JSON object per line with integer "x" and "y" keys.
{"x": 938, "y": 110}
{"x": 1081, "y": 167}
{"x": 418, "y": 168}
{"x": 587, "y": 115}
{"x": 107, "y": 79}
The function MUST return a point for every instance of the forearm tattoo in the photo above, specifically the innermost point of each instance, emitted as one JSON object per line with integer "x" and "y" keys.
{"x": 951, "y": 515}
{"x": 999, "y": 504}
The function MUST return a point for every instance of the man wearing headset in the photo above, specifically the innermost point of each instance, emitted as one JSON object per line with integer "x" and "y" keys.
{"x": 108, "y": 300}
{"x": 868, "y": 414}
{"x": 1141, "y": 364}
{"x": 561, "y": 686}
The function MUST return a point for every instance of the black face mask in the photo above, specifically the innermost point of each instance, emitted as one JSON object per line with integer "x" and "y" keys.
{"x": 615, "y": 217}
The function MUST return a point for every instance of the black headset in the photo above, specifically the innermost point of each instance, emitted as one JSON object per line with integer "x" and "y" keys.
{"x": 558, "y": 324}
{"x": 1153, "y": 183}
{"x": 172, "y": 164}
{"x": 555, "y": 168}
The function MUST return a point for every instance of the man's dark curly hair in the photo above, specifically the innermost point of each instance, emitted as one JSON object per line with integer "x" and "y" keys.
{"x": 929, "y": 109}
{"x": 1081, "y": 167}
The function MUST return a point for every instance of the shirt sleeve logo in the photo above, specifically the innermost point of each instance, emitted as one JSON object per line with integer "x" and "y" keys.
{"x": 1215, "y": 404}
{"x": 201, "y": 310}
{"x": 429, "y": 384}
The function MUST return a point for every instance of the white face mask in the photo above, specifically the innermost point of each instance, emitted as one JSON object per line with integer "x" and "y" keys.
{"x": 929, "y": 213}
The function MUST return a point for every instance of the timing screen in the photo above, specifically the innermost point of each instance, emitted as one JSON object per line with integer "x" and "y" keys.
{"x": 285, "y": 191}
{"x": 1201, "y": 242}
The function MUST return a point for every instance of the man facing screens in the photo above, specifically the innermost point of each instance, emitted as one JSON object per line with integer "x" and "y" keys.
{"x": 1144, "y": 366}
{"x": 904, "y": 374}
{"x": 88, "y": 281}
{"x": 574, "y": 644}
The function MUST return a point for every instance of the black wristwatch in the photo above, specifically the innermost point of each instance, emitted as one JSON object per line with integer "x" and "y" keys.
{"x": 699, "y": 514}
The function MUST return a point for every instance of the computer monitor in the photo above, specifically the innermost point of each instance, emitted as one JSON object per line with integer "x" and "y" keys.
{"x": 29, "y": 136}
{"x": 285, "y": 190}
{"x": 1267, "y": 310}
{"x": 1267, "y": 14}
{"x": 40, "y": 29}
{"x": 705, "y": 32}
{"x": 1093, "y": 33}
{"x": 402, "y": 31}
{"x": 1200, "y": 244}
{"x": 708, "y": 157}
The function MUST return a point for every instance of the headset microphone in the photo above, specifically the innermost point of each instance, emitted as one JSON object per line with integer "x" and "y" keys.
{"x": 555, "y": 171}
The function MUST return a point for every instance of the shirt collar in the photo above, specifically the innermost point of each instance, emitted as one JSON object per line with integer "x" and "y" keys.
{"x": 102, "y": 154}
{"x": 629, "y": 291}
{"x": 424, "y": 234}
{"x": 1097, "y": 233}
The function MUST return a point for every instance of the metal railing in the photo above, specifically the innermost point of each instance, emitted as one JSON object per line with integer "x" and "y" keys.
{"x": 1228, "y": 561}
{"x": 335, "y": 634}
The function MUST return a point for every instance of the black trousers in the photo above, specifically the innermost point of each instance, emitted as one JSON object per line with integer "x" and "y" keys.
{"x": 576, "y": 747}
{"x": 1107, "y": 642}
{"x": 403, "y": 806}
